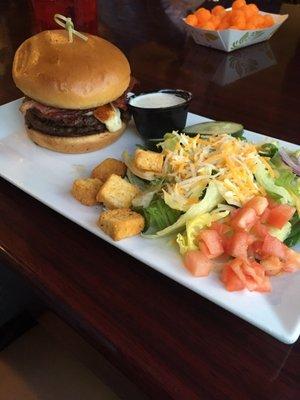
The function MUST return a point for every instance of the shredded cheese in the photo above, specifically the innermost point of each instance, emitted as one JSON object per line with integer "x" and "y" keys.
{"x": 228, "y": 161}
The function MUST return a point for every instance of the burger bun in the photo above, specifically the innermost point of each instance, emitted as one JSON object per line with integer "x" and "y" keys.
{"x": 70, "y": 75}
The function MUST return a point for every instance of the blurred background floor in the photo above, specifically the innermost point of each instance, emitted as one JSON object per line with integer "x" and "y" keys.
{"x": 37, "y": 367}
{"x": 42, "y": 358}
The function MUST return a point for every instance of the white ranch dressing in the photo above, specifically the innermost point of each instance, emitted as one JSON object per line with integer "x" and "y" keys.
{"x": 156, "y": 100}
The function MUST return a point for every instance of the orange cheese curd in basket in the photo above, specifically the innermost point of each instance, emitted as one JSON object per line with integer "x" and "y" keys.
{"x": 242, "y": 16}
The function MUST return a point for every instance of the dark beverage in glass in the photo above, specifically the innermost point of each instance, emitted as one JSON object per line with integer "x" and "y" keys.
{"x": 82, "y": 12}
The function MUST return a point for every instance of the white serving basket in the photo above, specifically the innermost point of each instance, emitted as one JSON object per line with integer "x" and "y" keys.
{"x": 233, "y": 39}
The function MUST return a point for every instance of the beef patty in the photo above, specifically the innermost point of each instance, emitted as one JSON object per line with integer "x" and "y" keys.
{"x": 71, "y": 123}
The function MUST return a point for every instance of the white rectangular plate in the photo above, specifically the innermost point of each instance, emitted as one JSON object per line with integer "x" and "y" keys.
{"x": 48, "y": 176}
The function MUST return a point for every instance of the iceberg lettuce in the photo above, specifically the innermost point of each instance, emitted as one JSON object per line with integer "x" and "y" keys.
{"x": 158, "y": 215}
{"x": 211, "y": 199}
{"x": 278, "y": 192}
{"x": 287, "y": 179}
{"x": 169, "y": 141}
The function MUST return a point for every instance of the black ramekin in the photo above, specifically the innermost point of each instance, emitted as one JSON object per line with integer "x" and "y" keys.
{"x": 153, "y": 123}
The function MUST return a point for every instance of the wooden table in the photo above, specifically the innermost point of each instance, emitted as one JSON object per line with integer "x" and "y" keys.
{"x": 169, "y": 341}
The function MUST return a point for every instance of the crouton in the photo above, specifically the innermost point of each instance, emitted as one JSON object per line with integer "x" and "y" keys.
{"x": 117, "y": 193}
{"x": 86, "y": 190}
{"x": 121, "y": 223}
{"x": 148, "y": 160}
{"x": 108, "y": 167}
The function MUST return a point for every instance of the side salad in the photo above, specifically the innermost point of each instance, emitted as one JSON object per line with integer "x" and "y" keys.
{"x": 231, "y": 205}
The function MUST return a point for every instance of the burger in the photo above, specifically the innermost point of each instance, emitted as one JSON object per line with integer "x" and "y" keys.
{"x": 75, "y": 92}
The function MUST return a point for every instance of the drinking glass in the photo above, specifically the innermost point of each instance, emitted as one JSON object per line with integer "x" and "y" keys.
{"x": 82, "y": 12}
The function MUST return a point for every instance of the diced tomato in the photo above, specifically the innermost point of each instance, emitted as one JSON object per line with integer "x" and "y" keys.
{"x": 256, "y": 270}
{"x": 226, "y": 270}
{"x": 258, "y": 203}
{"x": 240, "y": 274}
{"x": 272, "y": 265}
{"x": 292, "y": 262}
{"x": 245, "y": 237}
{"x": 245, "y": 218}
{"x": 204, "y": 250}
{"x": 230, "y": 279}
{"x": 265, "y": 286}
{"x": 226, "y": 242}
{"x": 259, "y": 230}
{"x": 271, "y": 246}
{"x": 234, "y": 212}
{"x": 265, "y": 215}
{"x": 197, "y": 263}
{"x": 245, "y": 273}
{"x": 251, "y": 239}
{"x": 239, "y": 267}
{"x": 294, "y": 255}
{"x": 289, "y": 266}
{"x": 280, "y": 215}
{"x": 236, "y": 266}
{"x": 221, "y": 228}
{"x": 224, "y": 230}
{"x": 250, "y": 282}
{"x": 213, "y": 241}
{"x": 255, "y": 249}
{"x": 238, "y": 245}
{"x": 262, "y": 281}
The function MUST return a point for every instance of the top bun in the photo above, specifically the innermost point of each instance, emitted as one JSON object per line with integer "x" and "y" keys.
{"x": 78, "y": 75}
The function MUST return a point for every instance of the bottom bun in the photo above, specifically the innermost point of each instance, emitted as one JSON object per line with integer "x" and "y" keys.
{"x": 79, "y": 144}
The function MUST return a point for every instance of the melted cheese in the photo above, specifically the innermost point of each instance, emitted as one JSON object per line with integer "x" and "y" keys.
{"x": 110, "y": 116}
